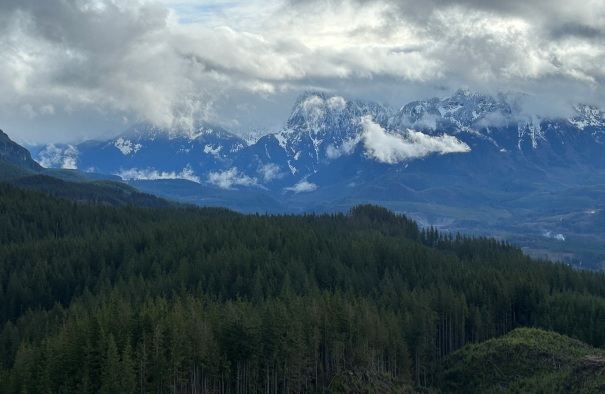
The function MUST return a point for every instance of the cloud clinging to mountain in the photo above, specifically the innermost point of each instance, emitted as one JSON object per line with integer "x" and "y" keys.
{"x": 394, "y": 148}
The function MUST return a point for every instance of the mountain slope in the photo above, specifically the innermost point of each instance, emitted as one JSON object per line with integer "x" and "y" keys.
{"x": 16, "y": 155}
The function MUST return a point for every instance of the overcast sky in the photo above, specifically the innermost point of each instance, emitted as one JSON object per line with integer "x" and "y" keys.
{"x": 77, "y": 69}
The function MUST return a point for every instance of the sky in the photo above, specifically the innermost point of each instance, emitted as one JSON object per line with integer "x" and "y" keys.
{"x": 72, "y": 70}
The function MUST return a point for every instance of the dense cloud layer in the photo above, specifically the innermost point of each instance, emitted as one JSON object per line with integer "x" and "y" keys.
{"x": 177, "y": 62}
{"x": 391, "y": 148}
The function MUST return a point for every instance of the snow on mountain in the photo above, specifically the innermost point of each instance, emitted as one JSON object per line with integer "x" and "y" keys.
{"x": 215, "y": 141}
{"x": 126, "y": 147}
{"x": 324, "y": 128}
{"x": 588, "y": 116}
{"x": 494, "y": 120}
{"x": 532, "y": 131}
{"x": 464, "y": 111}
{"x": 330, "y": 124}
{"x": 252, "y": 136}
{"x": 145, "y": 152}
{"x": 320, "y": 128}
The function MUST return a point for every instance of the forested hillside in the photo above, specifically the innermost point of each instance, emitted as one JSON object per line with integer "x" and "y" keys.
{"x": 103, "y": 299}
{"x": 527, "y": 360}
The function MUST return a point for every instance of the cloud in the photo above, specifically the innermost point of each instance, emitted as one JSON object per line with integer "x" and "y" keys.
{"x": 557, "y": 237}
{"x": 336, "y": 103}
{"x": 53, "y": 156}
{"x": 271, "y": 172}
{"x": 176, "y": 63}
{"x": 126, "y": 146}
{"x": 302, "y": 187}
{"x": 391, "y": 148}
{"x": 482, "y": 45}
{"x": 347, "y": 147}
{"x": 229, "y": 178}
{"x": 151, "y": 174}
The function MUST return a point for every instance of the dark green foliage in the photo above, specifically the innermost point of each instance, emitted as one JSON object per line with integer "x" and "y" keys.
{"x": 16, "y": 155}
{"x": 526, "y": 361}
{"x": 9, "y": 170}
{"x": 96, "y": 298}
{"x": 98, "y": 192}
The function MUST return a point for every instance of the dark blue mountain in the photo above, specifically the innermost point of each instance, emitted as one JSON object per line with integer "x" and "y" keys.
{"x": 144, "y": 151}
{"x": 470, "y": 162}
{"x": 466, "y": 134}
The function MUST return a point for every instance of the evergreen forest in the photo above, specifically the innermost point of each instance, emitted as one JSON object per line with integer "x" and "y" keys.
{"x": 102, "y": 299}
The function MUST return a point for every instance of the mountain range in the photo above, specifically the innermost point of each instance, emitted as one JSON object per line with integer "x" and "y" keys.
{"x": 18, "y": 168}
{"x": 468, "y": 162}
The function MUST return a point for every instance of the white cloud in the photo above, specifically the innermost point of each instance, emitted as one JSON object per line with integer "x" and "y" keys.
{"x": 53, "y": 156}
{"x": 549, "y": 234}
{"x": 314, "y": 110}
{"x": 214, "y": 151}
{"x": 229, "y": 178}
{"x": 336, "y": 103}
{"x": 271, "y": 172}
{"x": 28, "y": 110}
{"x": 302, "y": 187}
{"x": 347, "y": 147}
{"x": 69, "y": 163}
{"x": 151, "y": 174}
{"x": 178, "y": 62}
{"x": 126, "y": 146}
{"x": 391, "y": 148}
{"x": 47, "y": 110}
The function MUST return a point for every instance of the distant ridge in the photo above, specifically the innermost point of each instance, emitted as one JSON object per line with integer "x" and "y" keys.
{"x": 18, "y": 168}
{"x": 16, "y": 154}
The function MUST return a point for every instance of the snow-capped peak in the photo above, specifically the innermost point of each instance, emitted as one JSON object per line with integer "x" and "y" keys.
{"x": 316, "y": 111}
{"x": 313, "y": 110}
{"x": 146, "y": 132}
{"x": 588, "y": 116}
{"x": 328, "y": 129}
{"x": 322, "y": 127}
{"x": 465, "y": 110}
